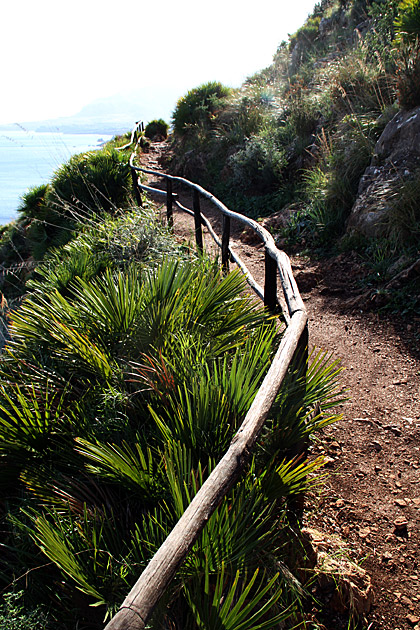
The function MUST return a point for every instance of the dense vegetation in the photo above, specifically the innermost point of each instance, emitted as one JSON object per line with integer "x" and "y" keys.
{"x": 130, "y": 363}
{"x": 131, "y": 360}
{"x": 299, "y": 135}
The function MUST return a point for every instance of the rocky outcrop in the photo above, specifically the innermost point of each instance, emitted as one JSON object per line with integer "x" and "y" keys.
{"x": 396, "y": 158}
{"x": 347, "y": 584}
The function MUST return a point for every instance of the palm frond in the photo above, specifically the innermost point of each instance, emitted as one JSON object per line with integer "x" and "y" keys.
{"x": 131, "y": 466}
{"x": 29, "y": 418}
{"x": 238, "y": 603}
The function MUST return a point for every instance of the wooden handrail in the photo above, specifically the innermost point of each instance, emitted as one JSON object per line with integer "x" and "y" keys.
{"x": 155, "y": 579}
{"x": 291, "y": 292}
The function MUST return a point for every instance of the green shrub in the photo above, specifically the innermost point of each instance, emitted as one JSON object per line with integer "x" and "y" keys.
{"x": 199, "y": 107}
{"x": 156, "y": 128}
{"x": 306, "y": 34}
{"x": 15, "y": 616}
{"x": 259, "y": 166}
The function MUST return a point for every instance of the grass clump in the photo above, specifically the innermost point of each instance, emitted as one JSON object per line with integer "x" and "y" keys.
{"x": 403, "y": 218}
{"x": 408, "y": 76}
{"x": 407, "y": 21}
{"x": 90, "y": 183}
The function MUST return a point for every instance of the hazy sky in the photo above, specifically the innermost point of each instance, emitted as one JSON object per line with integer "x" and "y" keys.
{"x": 58, "y": 56}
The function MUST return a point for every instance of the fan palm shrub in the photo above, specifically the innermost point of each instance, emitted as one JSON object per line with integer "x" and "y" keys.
{"x": 32, "y": 200}
{"x": 91, "y": 182}
{"x": 87, "y": 187}
{"x": 151, "y": 370}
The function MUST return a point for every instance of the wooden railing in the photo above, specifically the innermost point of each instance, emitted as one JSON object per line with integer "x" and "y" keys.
{"x": 155, "y": 579}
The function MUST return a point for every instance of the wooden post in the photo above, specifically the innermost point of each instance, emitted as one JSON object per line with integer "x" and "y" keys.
{"x": 137, "y": 194}
{"x": 270, "y": 283}
{"x": 169, "y": 213}
{"x": 225, "y": 242}
{"x": 197, "y": 220}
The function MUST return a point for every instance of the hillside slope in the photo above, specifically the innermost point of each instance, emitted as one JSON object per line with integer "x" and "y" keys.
{"x": 301, "y": 138}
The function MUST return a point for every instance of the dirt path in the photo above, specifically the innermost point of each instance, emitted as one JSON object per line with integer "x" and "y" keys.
{"x": 371, "y": 498}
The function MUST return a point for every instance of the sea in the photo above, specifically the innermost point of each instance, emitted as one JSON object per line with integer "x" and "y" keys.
{"x": 29, "y": 158}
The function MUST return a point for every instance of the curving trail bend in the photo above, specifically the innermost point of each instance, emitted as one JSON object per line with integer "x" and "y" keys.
{"x": 371, "y": 498}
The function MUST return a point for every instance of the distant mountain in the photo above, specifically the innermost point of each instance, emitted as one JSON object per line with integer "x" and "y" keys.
{"x": 112, "y": 115}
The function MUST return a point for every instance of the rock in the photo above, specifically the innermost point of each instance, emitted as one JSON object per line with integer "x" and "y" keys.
{"x": 396, "y": 158}
{"x": 351, "y": 585}
{"x": 399, "y": 142}
{"x": 400, "y": 525}
{"x": 399, "y": 265}
{"x": 324, "y": 26}
{"x": 306, "y": 280}
{"x": 364, "y": 532}
{"x": 413, "y": 619}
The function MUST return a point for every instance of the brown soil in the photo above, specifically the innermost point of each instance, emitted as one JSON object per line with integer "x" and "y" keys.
{"x": 371, "y": 497}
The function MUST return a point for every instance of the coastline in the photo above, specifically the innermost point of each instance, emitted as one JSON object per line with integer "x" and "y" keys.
{"x": 29, "y": 158}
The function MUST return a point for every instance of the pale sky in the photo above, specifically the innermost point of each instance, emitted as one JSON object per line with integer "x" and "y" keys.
{"x": 58, "y": 56}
